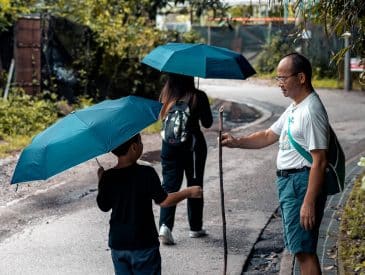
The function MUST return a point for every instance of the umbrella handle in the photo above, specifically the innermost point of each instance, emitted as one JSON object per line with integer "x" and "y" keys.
{"x": 98, "y": 162}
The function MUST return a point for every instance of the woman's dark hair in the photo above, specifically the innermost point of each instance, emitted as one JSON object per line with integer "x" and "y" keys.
{"x": 122, "y": 149}
{"x": 300, "y": 64}
{"x": 177, "y": 87}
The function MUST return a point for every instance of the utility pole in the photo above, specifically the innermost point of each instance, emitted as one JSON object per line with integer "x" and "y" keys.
{"x": 286, "y": 11}
{"x": 347, "y": 85}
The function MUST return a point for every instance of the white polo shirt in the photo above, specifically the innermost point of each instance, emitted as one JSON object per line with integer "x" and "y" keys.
{"x": 309, "y": 127}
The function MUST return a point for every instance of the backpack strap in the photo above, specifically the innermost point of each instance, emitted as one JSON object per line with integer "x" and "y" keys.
{"x": 305, "y": 154}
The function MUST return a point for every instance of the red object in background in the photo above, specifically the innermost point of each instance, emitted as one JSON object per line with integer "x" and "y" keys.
{"x": 27, "y": 54}
{"x": 356, "y": 66}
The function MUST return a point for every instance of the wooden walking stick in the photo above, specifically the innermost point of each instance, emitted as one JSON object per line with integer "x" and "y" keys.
{"x": 221, "y": 189}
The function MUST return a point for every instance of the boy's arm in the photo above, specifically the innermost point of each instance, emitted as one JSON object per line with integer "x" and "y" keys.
{"x": 189, "y": 192}
{"x": 102, "y": 198}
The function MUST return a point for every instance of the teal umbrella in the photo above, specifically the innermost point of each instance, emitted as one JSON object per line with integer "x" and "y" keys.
{"x": 84, "y": 134}
{"x": 199, "y": 60}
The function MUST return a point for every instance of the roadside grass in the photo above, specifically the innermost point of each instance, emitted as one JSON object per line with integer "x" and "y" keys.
{"x": 9, "y": 145}
{"x": 327, "y": 83}
{"x": 352, "y": 232}
{"x": 153, "y": 128}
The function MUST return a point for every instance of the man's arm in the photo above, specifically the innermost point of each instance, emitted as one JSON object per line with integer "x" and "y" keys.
{"x": 255, "y": 140}
{"x": 189, "y": 192}
{"x": 315, "y": 187}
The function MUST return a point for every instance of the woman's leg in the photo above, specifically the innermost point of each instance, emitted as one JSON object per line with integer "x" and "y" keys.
{"x": 172, "y": 173}
{"x": 195, "y": 206}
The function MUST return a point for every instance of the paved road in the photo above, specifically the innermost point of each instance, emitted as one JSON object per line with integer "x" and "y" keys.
{"x": 62, "y": 232}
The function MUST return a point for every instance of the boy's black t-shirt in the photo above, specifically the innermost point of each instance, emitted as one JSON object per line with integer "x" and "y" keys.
{"x": 129, "y": 193}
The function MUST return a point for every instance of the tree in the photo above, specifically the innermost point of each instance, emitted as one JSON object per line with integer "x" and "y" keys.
{"x": 10, "y": 10}
{"x": 338, "y": 16}
{"x": 124, "y": 34}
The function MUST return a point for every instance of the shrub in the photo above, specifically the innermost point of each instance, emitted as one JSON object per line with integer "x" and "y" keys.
{"x": 24, "y": 115}
{"x": 352, "y": 240}
{"x": 272, "y": 52}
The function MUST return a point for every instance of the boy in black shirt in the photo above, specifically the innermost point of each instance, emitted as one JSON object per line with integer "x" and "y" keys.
{"x": 128, "y": 189}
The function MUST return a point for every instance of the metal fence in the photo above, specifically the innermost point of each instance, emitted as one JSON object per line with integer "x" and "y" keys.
{"x": 250, "y": 39}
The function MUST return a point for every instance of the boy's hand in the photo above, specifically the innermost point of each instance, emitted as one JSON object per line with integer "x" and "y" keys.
{"x": 195, "y": 192}
{"x": 100, "y": 172}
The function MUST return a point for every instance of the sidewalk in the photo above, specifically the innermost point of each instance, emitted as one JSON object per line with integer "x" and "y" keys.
{"x": 72, "y": 239}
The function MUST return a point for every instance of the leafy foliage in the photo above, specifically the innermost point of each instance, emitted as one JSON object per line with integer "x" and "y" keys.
{"x": 25, "y": 115}
{"x": 273, "y": 51}
{"x": 352, "y": 240}
{"x": 285, "y": 42}
{"x": 116, "y": 35}
{"x": 342, "y": 16}
{"x": 9, "y": 11}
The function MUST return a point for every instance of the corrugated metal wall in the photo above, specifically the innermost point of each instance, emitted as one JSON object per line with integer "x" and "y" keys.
{"x": 27, "y": 54}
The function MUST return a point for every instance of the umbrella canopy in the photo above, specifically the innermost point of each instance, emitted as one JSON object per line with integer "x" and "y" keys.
{"x": 84, "y": 134}
{"x": 199, "y": 60}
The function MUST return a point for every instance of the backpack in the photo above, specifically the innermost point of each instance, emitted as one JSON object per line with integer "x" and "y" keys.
{"x": 335, "y": 170}
{"x": 175, "y": 126}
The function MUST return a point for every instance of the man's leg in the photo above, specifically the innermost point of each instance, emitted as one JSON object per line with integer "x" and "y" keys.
{"x": 302, "y": 243}
{"x": 309, "y": 264}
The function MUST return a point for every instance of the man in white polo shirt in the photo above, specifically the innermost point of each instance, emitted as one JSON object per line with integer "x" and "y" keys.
{"x": 299, "y": 182}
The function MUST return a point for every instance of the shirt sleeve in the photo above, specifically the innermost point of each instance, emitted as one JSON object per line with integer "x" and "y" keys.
{"x": 278, "y": 125}
{"x": 158, "y": 194}
{"x": 103, "y": 199}
{"x": 206, "y": 116}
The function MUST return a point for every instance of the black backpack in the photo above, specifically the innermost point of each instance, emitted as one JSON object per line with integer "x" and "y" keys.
{"x": 175, "y": 130}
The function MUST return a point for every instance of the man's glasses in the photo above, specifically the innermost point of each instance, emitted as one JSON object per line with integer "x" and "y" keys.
{"x": 284, "y": 78}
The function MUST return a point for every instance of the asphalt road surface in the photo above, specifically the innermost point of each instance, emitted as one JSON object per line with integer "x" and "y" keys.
{"x": 59, "y": 230}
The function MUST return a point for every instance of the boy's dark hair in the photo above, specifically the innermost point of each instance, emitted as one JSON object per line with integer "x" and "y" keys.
{"x": 122, "y": 149}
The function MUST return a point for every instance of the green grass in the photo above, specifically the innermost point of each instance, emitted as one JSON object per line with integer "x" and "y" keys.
{"x": 326, "y": 83}
{"x": 352, "y": 232}
{"x": 153, "y": 128}
{"x": 13, "y": 144}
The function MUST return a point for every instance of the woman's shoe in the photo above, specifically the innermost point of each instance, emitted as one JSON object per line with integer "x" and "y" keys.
{"x": 166, "y": 235}
{"x": 197, "y": 234}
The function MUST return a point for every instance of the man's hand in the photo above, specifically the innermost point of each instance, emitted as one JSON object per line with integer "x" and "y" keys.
{"x": 228, "y": 140}
{"x": 308, "y": 215}
{"x": 100, "y": 172}
{"x": 195, "y": 192}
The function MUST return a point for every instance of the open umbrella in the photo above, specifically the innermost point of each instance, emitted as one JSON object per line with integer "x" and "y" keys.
{"x": 199, "y": 60}
{"x": 84, "y": 134}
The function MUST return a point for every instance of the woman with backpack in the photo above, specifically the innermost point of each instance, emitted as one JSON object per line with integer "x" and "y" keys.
{"x": 184, "y": 148}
